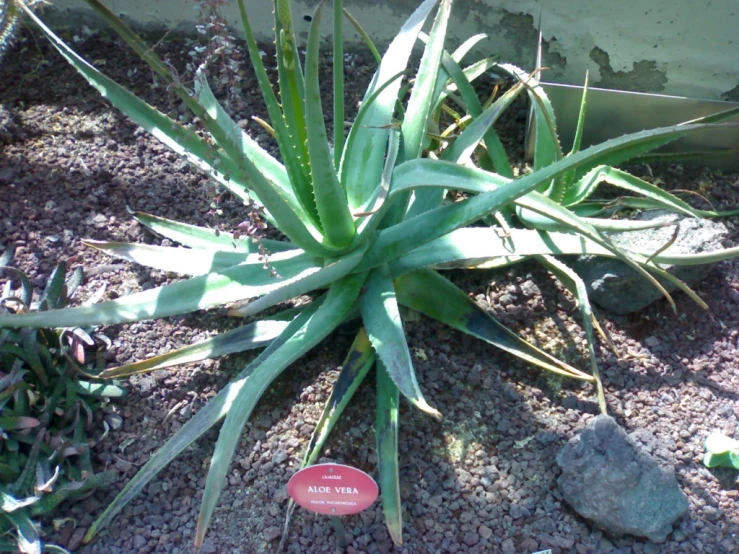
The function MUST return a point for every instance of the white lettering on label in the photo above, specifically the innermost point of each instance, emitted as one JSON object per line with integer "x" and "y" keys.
{"x": 337, "y": 490}
{"x": 337, "y": 477}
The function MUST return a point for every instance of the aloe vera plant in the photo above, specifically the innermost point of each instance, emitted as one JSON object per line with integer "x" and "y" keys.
{"x": 365, "y": 225}
{"x": 47, "y": 408}
{"x": 565, "y": 203}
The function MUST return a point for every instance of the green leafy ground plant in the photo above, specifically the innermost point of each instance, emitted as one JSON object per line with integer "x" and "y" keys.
{"x": 364, "y": 222}
{"x": 48, "y": 406}
{"x": 721, "y": 451}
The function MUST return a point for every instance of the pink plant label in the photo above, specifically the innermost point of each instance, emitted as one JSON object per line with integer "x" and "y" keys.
{"x": 332, "y": 489}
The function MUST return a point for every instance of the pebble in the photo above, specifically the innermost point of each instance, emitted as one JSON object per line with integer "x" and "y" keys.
{"x": 507, "y": 547}
{"x": 271, "y": 533}
{"x": 471, "y": 538}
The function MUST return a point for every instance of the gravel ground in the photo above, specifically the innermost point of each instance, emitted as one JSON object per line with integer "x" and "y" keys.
{"x": 483, "y": 480}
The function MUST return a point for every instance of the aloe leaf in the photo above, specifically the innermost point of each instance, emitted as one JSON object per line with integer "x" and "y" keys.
{"x": 193, "y": 236}
{"x": 417, "y": 114}
{"x": 263, "y": 162}
{"x": 569, "y": 178}
{"x": 717, "y": 117}
{"x": 576, "y": 286}
{"x": 26, "y": 285}
{"x": 328, "y": 316}
{"x": 302, "y": 284}
{"x": 393, "y": 242}
{"x": 168, "y": 131}
{"x": 363, "y": 35}
{"x": 361, "y": 163}
{"x": 338, "y": 56}
{"x": 464, "y": 145}
{"x": 357, "y": 364}
{"x": 185, "y": 261}
{"x": 100, "y": 389}
{"x": 464, "y": 48}
{"x": 333, "y": 211}
{"x": 292, "y": 84}
{"x": 562, "y": 216}
{"x": 433, "y": 295}
{"x": 379, "y": 208}
{"x": 246, "y": 337}
{"x": 474, "y": 247}
{"x": 233, "y": 284}
{"x": 299, "y": 178}
{"x": 626, "y": 181}
{"x": 384, "y": 327}
{"x": 54, "y": 294}
{"x": 547, "y": 149}
{"x": 277, "y": 196}
{"x": 462, "y": 81}
{"x": 29, "y": 341}
{"x": 386, "y": 431}
{"x": 421, "y": 100}
{"x": 577, "y": 141}
{"x": 198, "y": 425}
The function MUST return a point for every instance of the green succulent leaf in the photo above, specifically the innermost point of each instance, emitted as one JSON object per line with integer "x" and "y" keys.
{"x": 386, "y": 431}
{"x": 429, "y": 293}
{"x": 201, "y": 422}
{"x": 236, "y": 283}
{"x": 330, "y": 197}
{"x": 327, "y": 317}
{"x": 193, "y": 236}
{"x": 184, "y": 261}
{"x": 179, "y": 139}
{"x": 291, "y": 152}
{"x": 247, "y": 337}
{"x": 362, "y": 160}
{"x": 381, "y": 318}
{"x": 356, "y": 365}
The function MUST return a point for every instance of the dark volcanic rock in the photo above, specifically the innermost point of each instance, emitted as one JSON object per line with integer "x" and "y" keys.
{"x": 617, "y": 288}
{"x": 608, "y": 479}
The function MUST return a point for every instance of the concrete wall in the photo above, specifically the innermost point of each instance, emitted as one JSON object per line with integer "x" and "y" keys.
{"x": 676, "y": 47}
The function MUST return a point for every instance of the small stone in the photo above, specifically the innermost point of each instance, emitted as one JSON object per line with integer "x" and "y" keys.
{"x": 470, "y": 538}
{"x": 652, "y": 342}
{"x": 518, "y": 511}
{"x": 507, "y": 547}
{"x": 485, "y": 532}
{"x": 139, "y": 542}
{"x": 76, "y": 539}
{"x": 279, "y": 456}
{"x": 529, "y": 544}
{"x": 271, "y": 533}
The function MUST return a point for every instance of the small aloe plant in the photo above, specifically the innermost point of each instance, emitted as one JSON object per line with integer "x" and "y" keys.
{"x": 365, "y": 225}
{"x": 47, "y": 408}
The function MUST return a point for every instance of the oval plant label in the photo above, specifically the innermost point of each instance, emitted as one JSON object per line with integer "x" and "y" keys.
{"x": 332, "y": 489}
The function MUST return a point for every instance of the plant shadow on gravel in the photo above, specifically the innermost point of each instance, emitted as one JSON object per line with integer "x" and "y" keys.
{"x": 484, "y": 476}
